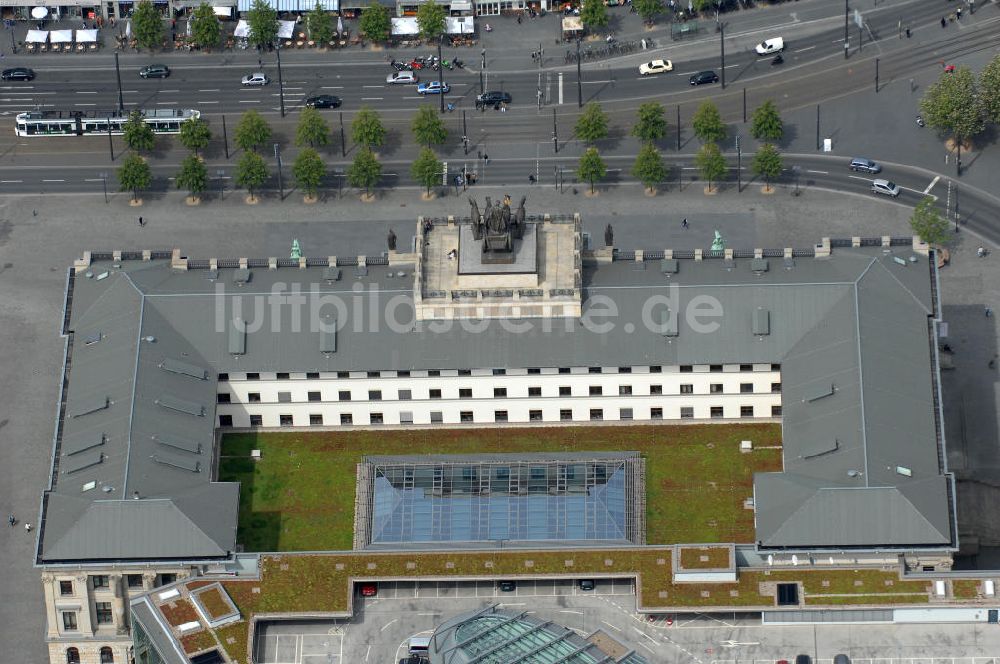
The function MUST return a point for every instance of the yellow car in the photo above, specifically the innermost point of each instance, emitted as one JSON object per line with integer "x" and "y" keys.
{"x": 655, "y": 67}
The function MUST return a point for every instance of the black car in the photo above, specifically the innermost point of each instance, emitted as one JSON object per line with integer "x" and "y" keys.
{"x": 803, "y": 659}
{"x": 507, "y": 586}
{"x": 18, "y": 74}
{"x": 323, "y": 101}
{"x": 704, "y": 77}
{"x": 493, "y": 98}
{"x": 586, "y": 584}
{"x": 155, "y": 71}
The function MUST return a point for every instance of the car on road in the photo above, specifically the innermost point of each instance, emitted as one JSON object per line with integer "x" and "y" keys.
{"x": 493, "y": 98}
{"x": 323, "y": 101}
{"x": 655, "y": 67}
{"x": 704, "y": 77}
{"x": 256, "y": 79}
{"x": 401, "y": 78}
{"x": 585, "y": 584}
{"x": 433, "y": 88}
{"x": 885, "y": 187}
{"x": 507, "y": 586}
{"x": 18, "y": 74}
{"x": 769, "y": 46}
{"x": 368, "y": 589}
{"x": 154, "y": 71}
{"x": 865, "y": 165}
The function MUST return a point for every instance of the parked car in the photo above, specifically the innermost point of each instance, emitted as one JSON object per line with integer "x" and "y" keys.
{"x": 841, "y": 659}
{"x": 586, "y": 584}
{"x": 401, "y": 78}
{"x": 704, "y": 77}
{"x": 256, "y": 79}
{"x": 433, "y": 88}
{"x": 885, "y": 187}
{"x": 323, "y": 101}
{"x": 865, "y": 165}
{"x": 492, "y": 98}
{"x": 155, "y": 71}
{"x": 507, "y": 586}
{"x": 803, "y": 659}
{"x": 769, "y": 46}
{"x": 655, "y": 67}
{"x": 368, "y": 589}
{"x": 18, "y": 74}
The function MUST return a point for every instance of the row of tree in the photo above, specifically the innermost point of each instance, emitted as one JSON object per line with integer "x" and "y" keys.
{"x": 960, "y": 106}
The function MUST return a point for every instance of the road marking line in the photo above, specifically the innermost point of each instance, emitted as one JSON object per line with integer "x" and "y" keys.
{"x": 53, "y": 180}
{"x": 373, "y": 86}
{"x": 931, "y": 185}
{"x": 387, "y": 624}
{"x": 85, "y": 92}
{"x": 801, "y": 50}
{"x": 165, "y": 103}
{"x": 85, "y": 104}
{"x": 11, "y": 181}
{"x": 93, "y": 179}
{"x": 169, "y": 90}
{"x": 332, "y": 87}
{"x": 372, "y": 98}
{"x": 208, "y": 102}
{"x": 249, "y": 101}
{"x": 618, "y": 629}
{"x": 646, "y": 647}
{"x": 809, "y": 170}
{"x": 213, "y": 90}
{"x": 569, "y": 611}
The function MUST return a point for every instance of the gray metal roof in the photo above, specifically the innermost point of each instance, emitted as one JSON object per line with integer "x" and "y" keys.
{"x": 852, "y": 332}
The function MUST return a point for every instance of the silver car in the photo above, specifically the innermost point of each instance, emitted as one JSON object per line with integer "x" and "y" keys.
{"x": 885, "y": 187}
{"x": 256, "y": 78}
{"x": 401, "y": 78}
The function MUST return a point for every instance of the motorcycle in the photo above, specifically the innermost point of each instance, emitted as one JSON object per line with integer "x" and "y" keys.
{"x": 777, "y": 60}
{"x": 399, "y": 66}
{"x": 458, "y": 63}
{"x": 920, "y": 121}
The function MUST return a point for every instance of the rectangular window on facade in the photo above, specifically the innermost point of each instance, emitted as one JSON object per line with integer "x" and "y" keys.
{"x": 282, "y": 376}
{"x": 343, "y": 374}
{"x": 403, "y": 373}
{"x": 253, "y": 375}
{"x": 465, "y": 393}
{"x": 499, "y": 415}
{"x": 595, "y": 390}
{"x": 465, "y": 372}
{"x": 253, "y": 397}
{"x": 99, "y": 581}
{"x": 775, "y": 388}
{"x": 687, "y": 388}
{"x": 373, "y": 374}
{"x": 466, "y": 416}
{"x": 315, "y": 396}
{"x": 625, "y": 414}
{"x": 746, "y": 411}
{"x": 596, "y": 413}
{"x": 564, "y": 370}
{"x": 715, "y": 388}
{"x": 225, "y": 420}
{"x": 69, "y": 620}
{"x": 656, "y": 413}
{"x": 565, "y": 391}
{"x": 716, "y": 411}
{"x": 405, "y": 395}
{"x": 374, "y": 395}
{"x": 376, "y": 418}
{"x": 534, "y": 415}
{"x": 434, "y": 393}
{"x": 65, "y": 587}
{"x": 406, "y": 417}
{"x": 624, "y": 390}
{"x": 655, "y": 369}
{"x": 566, "y": 414}
{"x": 687, "y": 412}
{"x": 346, "y": 418}
{"x": 775, "y": 411}
{"x": 499, "y": 392}
{"x": 534, "y": 371}
{"x": 499, "y": 372}
{"x": 775, "y": 367}
{"x": 655, "y": 389}
{"x": 104, "y": 613}
{"x": 316, "y": 419}
{"x": 344, "y": 395}
{"x": 436, "y": 417}
{"x": 534, "y": 391}
{"x": 594, "y": 370}
{"x": 434, "y": 373}
{"x": 746, "y": 367}
{"x": 285, "y": 420}
{"x": 312, "y": 375}
{"x": 624, "y": 369}
{"x": 223, "y": 376}
{"x": 686, "y": 368}
{"x": 746, "y": 388}
{"x": 256, "y": 420}
{"x": 715, "y": 368}
{"x": 133, "y": 580}
{"x": 223, "y": 397}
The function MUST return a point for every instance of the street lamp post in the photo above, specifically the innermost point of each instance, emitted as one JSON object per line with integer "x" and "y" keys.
{"x": 482, "y": 70}
{"x": 847, "y": 13}
{"x": 118, "y": 73}
{"x": 555, "y": 133}
{"x": 343, "y": 139}
{"x": 465, "y": 134}
{"x": 281, "y": 84}
{"x": 104, "y": 179}
{"x": 281, "y": 184}
{"x": 579, "y": 80}
{"x": 722, "y": 49}
{"x": 225, "y": 136}
{"x": 739, "y": 166}
{"x": 440, "y": 73}
{"x": 222, "y": 184}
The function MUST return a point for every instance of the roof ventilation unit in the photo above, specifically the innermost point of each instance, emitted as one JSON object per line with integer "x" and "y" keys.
{"x": 761, "y": 322}
{"x": 669, "y": 266}
{"x": 668, "y": 324}
{"x": 904, "y": 471}
{"x": 184, "y": 368}
{"x": 759, "y": 265}
{"x": 238, "y": 337}
{"x": 328, "y": 335}
{"x": 241, "y": 276}
{"x": 331, "y": 274}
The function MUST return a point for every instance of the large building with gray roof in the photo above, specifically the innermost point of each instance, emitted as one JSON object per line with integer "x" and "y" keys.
{"x": 837, "y": 342}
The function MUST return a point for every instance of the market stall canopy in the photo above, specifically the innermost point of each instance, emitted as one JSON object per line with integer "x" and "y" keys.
{"x": 62, "y": 36}
{"x": 86, "y": 36}
{"x": 37, "y": 36}
{"x": 297, "y": 6}
{"x": 286, "y": 29}
{"x": 223, "y": 11}
{"x": 461, "y": 6}
{"x": 459, "y": 25}
{"x": 572, "y": 24}
{"x": 407, "y": 25}
{"x": 39, "y": 12}
{"x": 242, "y": 30}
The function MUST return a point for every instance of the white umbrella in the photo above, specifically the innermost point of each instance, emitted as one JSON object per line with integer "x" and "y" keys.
{"x": 128, "y": 29}
{"x": 340, "y": 24}
{"x": 189, "y": 28}
{"x": 39, "y": 12}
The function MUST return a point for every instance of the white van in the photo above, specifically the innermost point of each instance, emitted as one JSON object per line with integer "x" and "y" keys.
{"x": 769, "y": 46}
{"x": 419, "y": 645}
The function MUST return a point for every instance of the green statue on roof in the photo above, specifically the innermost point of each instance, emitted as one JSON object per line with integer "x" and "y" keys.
{"x": 296, "y": 251}
{"x": 718, "y": 244}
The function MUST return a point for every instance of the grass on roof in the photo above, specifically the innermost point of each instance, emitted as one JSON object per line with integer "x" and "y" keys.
{"x": 179, "y": 611}
{"x": 214, "y": 603}
{"x": 965, "y": 588}
{"x": 715, "y": 557}
{"x": 194, "y": 643}
{"x": 300, "y": 496}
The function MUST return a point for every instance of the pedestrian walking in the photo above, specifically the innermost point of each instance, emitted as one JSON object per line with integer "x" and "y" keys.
{"x": 981, "y": 252}
{"x": 486, "y": 158}
{"x": 141, "y": 222}
{"x": 11, "y": 520}
{"x": 989, "y": 312}
{"x": 907, "y": 33}
{"x": 684, "y": 224}
{"x": 27, "y": 527}
{"x": 531, "y": 178}
{"x": 260, "y": 62}
{"x": 944, "y": 23}
{"x": 958, "y": 13}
